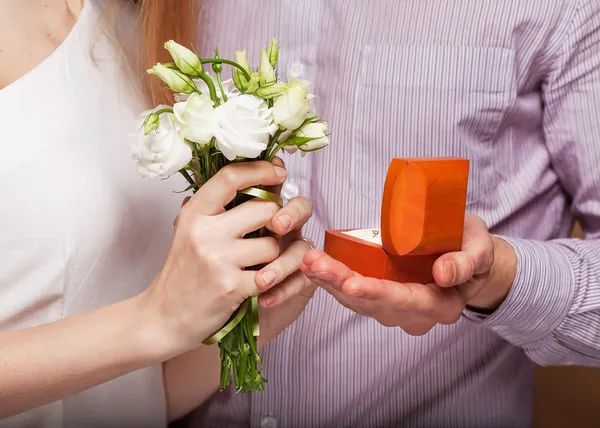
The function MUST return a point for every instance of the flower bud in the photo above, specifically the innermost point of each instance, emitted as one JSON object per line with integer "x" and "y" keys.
{"x": 242, "y": 59}
{"x": 217, "y": 68}
{"x": 273, "y": 52}
{"x": 267, "y": 74}
{"x": 240, "y": 80}
{"x": 151, "y": 123}
{"x": 175, "y": 79}
{"x": 186, "y": 60}
{"x": 252, "y": 84}
{"x": 271, "y": 91}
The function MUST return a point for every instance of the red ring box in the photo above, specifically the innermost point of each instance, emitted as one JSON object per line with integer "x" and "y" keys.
{"x": 422, "y": 217}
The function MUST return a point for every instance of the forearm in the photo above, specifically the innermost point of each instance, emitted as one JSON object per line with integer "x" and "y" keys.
{"x": 552, "y": 309}
{"x": 190, "y": 379}
{"x": 47, "y": 363}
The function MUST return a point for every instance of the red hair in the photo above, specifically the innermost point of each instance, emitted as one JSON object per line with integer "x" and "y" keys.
{"x": 162, "y": 20}
{"x": 157, "y": 22}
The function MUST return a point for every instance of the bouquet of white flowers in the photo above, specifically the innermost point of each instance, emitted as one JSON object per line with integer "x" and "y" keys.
{"x": 212, "y": 123}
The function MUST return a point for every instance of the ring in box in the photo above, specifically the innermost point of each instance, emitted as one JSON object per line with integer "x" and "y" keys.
{"x": 422, "y": 217}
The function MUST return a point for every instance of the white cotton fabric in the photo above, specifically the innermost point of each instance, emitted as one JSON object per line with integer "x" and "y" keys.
{"x": 78, "y": 228}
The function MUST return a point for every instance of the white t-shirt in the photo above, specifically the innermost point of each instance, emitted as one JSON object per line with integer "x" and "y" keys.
{"x": 78, "y": 228}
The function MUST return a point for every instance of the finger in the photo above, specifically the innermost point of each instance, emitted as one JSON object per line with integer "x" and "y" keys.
{"x": 223, "y": 186}
{"x": 285, "y": 265}
{"x": 277, "y": 188}
{"x": 291, "y": 217}
{"x": 326, "y": 270}
{"x": 254, "y": 251}
{"x": 391, "y": 293}
{"x": 294, "y": 285}
{"x": 428, "y": 301}
{"x": 245, "y": 284}
{"x": 476, "y": 257}
{"x": 248, "y": 217}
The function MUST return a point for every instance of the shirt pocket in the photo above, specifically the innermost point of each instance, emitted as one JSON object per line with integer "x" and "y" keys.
{"x": 430, "y": 101}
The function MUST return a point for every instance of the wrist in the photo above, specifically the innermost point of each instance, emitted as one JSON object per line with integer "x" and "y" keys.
{"x": 501, "y": 278}
{"x": 157, "y": 336}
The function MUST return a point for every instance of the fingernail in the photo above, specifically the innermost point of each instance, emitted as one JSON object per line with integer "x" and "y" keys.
{"x": 450, "y": 271}
{"x": 269, "y": 278}
{"x": 285, "y": 221}
{"x": 281, "y": 172}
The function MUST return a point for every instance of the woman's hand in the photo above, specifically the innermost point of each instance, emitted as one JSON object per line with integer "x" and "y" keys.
{"x": 194, "y": 376}
{"x": 203, "y": 280}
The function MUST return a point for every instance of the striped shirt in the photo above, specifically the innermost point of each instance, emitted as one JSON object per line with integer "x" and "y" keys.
{"x": 513, "y": 85}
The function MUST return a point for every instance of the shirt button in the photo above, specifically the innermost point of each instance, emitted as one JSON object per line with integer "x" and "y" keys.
{"x": 268, "y": 422}
{"x": 296, "y": 70}
{"x": 290, "y": 190}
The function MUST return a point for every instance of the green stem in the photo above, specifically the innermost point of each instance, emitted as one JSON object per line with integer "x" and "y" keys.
{"x": 211, "y": 87}
{"x": 277, "y": 149}
{"x": 272, "y": 141}
{"x": 221, "y": 87}
{"x": 187, "y": 177}
{"x": 207, "y": 163}
{"x": 163, "y": 110}
{"x": 226, "y": 61}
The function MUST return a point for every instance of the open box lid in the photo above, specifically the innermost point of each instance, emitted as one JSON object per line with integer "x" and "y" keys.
{"x": 423, "y": 206}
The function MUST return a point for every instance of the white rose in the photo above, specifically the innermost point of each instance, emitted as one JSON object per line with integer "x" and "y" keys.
{"x": 316, "y": 131}
{"x": 243, "y": 127}
{"x": 162, "y": 152}
{"x": 291, "y": 108}
{"x": 195, "y": 118}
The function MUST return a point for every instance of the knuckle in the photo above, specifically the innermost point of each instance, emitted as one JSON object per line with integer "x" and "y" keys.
{"x": 265, "y": 168}
{"x": 186, "y": 215}
{"x": 270, "y": 208}
{"x": 306, "y": 204}
{"x": 417, "y": 330}
{"x": 449, "y": 317}
{"x": 386, "y": 322}
{"x": 229, "y": 286}
{"x": 273, "y": 250}
{"x": 230, "y": 176}
{"x": 211, "y": 259}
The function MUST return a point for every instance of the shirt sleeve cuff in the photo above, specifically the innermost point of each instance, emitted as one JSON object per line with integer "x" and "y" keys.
{"x": 540, "y": 297}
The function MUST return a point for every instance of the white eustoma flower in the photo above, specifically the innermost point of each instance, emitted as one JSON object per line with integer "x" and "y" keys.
{"x": 243, "y": 127}
{"x": 195, "y": 118}
{"x": 162, "y": 152}
{"x": 316, "y": 131}
{"x": 291, "y": 108}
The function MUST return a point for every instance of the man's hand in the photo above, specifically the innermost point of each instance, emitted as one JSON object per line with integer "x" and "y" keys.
{"x": 479, "y": 276}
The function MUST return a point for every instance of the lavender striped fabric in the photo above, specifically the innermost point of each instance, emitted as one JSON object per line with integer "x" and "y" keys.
{"x": 513, "y": 85}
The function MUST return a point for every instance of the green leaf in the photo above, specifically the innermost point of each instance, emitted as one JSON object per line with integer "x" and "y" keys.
{"x": 294, "y": 140}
